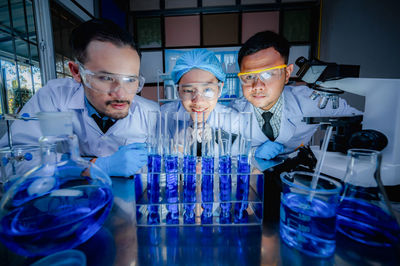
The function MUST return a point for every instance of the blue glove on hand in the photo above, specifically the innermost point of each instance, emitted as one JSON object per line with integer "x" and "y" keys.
{"x": 269, "y": 150}
{"x": 125, "y": 162}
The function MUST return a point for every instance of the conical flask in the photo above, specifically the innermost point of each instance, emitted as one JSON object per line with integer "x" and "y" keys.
{"x": 58, "y": 204}
{"x": 364, "y": 213}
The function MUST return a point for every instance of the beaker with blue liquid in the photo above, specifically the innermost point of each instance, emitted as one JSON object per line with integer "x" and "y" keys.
{"x": 58, "y": 204}
{"x": 308, "y": 213}
{"x": 365, "y": 213}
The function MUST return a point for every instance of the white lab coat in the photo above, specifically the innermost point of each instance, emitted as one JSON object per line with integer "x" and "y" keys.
{"x": 67, "y": 95}
{"x": 296, "y": 105}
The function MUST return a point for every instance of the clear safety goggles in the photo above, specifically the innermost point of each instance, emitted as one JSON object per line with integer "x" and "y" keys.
{"x": 108, "y": 82}
{"x": 265, "y": 75}
{"x": 208, "y": 91}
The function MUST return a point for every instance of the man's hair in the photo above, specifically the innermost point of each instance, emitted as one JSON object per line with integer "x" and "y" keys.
{"x": 263, "y": 40}
{"x": 98, "y": 30}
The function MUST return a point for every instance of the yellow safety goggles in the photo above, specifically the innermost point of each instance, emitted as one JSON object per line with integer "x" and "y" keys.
{"x": 265, "y": 75}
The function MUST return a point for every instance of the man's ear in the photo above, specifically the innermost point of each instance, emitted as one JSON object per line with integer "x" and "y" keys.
{"x": 289, "y": 70}
{"x": 74, "y": 69}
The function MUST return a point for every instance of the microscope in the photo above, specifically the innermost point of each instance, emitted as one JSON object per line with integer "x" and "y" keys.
{"x": 380, "y": 123}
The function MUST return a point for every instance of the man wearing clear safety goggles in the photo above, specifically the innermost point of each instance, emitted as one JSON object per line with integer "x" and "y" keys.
{"x": 110, "y": 120}
{"x": 108, "y": 83}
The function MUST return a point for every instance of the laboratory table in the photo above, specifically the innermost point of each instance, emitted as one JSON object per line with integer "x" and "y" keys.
{"x": 120, "y": 242}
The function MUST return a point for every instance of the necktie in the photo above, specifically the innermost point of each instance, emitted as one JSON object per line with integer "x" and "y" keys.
{"x": 267, "y": 128}
{"x": 104, "y": 125}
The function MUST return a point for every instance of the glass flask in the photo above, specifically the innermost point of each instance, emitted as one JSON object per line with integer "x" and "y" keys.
{"x": 365, "y": 213}
{"x": 57, "y": 205}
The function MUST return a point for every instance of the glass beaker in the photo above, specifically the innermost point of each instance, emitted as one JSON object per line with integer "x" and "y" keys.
{"x": 308, "y": 215}
{"x": 57, "y": 205}
{"x": 364, "y": 213}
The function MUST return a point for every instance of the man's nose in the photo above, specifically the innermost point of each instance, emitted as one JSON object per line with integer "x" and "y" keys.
{"x": 258, "y": 85}
{"x": 118, "y": 91}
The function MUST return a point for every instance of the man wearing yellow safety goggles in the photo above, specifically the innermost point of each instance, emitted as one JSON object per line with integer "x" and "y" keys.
{"x": 277, "y": 109}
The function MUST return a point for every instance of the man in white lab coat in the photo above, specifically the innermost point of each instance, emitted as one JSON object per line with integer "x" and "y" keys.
{"x": 277, "y": 109}
{"x": 110, "y": 120}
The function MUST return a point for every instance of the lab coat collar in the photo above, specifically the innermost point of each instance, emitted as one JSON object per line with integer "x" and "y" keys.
{"x": 77, "y": 100}
{"x": 290, "y": 109}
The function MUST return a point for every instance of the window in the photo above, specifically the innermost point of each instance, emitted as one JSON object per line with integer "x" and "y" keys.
{"x": 19, "y": 58}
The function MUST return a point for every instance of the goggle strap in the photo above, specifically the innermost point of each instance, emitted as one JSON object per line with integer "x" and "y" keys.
{"x": 261, "y": 70}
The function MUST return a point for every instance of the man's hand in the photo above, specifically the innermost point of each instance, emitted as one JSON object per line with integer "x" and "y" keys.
{"x": 125, "y": 162}
{"x": 269, "y": 150}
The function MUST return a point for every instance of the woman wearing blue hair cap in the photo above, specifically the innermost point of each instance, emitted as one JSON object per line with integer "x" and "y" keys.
{"x": 199, "y": 78}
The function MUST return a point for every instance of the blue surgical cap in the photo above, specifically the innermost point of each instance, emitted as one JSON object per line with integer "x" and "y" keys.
{"x": 198, "y": 58}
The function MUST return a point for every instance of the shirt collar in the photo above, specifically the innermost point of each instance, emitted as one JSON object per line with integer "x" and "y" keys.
{"x": 92, "y": 111}
{"x": 274, "y": 109}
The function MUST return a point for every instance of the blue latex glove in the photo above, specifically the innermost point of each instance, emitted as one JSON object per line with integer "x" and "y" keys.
{"x": 269, "y": 150}
{"x": 125, "y": 162}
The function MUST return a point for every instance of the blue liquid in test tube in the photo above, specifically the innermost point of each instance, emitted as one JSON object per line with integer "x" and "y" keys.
{"x": 243, "y": 168}
{"x": 224, "y": 138}
{"x": 242, "y": 190}
{"x": 207, "y": 185}
{"x": 171, "y": 194}
{"x": 153, "y": 187}
{"x": 189, "y": 188}
{"x": 225, "y": 188}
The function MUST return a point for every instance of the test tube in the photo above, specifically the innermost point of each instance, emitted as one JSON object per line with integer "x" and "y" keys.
{"x": 224, "y": 140}
{"x": 154, "y": 142}
{"x": 207, "y": 170}
{"x": 243, "y": 167}
{"x": 189, "y": 126}
{"x": 170, "y": 126}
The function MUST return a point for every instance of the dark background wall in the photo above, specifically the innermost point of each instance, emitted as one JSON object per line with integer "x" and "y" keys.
{"x": 362, "y": 32}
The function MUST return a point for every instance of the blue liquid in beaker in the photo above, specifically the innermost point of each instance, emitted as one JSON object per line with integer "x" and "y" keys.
{"x": 367, "y": 223}
{"x": 61, "y": 219}
{"x": 189, "y": 188}
{"x": 171, "y": 193}
{"x": 225, "y": 188}
{"x": 153, "y": 187}
{"x": 309, "y": 226}
{"x": 207, "y": 191}
{"x": 242, "y": 189}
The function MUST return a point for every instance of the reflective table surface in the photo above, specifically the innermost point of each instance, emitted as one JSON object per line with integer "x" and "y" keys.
{"x": 120, "y": 242}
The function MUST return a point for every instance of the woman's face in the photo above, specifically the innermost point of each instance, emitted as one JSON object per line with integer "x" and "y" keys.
{"x": 199, "y": 91}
